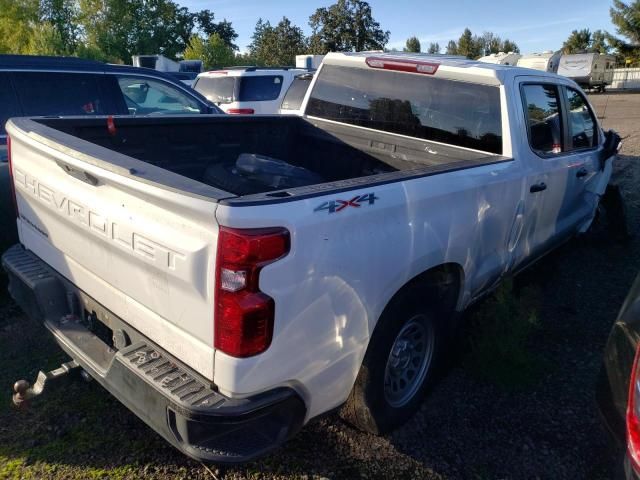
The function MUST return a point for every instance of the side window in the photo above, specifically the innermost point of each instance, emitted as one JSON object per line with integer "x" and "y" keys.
{"x": 145, "y": 96}
{"x": 297, "y": 90}
{"x": 8, "y": 104}
{"x": 542, "y": 111}
{"x": 260, "y": 88}
{"x": 52, "y": 93}
{"x": 582, "y": 126}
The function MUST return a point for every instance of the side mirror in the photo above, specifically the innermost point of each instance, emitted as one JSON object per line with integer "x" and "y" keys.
{"x": 138, "y": 92}
{"x": 213, "y": 108}
{"x": 610, "y": 147}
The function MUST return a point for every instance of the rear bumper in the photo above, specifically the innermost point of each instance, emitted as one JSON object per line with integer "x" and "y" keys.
{"x": 173, "y": 400}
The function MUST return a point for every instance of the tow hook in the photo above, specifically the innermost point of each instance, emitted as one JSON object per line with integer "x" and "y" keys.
{"x": 25, "y": 392}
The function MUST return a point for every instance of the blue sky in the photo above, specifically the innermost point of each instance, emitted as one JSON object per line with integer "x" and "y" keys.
{"x": 535, "y": 25}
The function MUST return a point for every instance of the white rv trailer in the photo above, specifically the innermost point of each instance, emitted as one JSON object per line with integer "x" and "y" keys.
{"x": 589, "y": 70}
{"x": 546, "y": 61}
{"x": 501, "y": 58}
{"x": 310, "y": 62}
{"x": 156, "y": 62}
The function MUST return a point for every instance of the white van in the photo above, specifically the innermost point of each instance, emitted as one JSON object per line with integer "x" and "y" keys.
{"x": 546, "y": 61}
{"x": 501, "y": 58}
{"x": 247, "y": 90}
{"x": 589, "y": 70}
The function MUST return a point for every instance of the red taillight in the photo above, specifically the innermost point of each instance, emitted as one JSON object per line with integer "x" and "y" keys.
{"x": 411, "y": 66}
{"x": 13, "y": 187}
{"x": 241, "y": 111}
{"x": 633, "y": 415}
{"x": 243, "y": 314}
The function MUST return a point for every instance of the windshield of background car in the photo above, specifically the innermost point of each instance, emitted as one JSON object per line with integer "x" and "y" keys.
{"x": 448, "y": 111}
{"x": 216, "y": 89}
{"x": 145, "y": 96}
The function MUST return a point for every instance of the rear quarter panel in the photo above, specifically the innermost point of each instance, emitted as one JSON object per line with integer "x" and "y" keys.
{"x": 345, "y": 266}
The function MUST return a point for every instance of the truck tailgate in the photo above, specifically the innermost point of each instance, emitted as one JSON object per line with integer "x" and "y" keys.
{"x": 144, "y": 251}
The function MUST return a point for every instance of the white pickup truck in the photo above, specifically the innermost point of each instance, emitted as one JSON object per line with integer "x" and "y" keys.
{"x": 230, "y": 278}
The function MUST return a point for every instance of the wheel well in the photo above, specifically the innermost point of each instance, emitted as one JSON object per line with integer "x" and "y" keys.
{"x": 442, "y": 283}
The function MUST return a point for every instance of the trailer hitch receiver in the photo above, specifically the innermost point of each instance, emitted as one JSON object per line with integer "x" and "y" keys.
{"x": 23, "y": 391}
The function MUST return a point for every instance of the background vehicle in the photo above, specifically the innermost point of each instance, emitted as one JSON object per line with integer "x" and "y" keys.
{"x": 188, "y": 78}
{"x": 32, "y": 85}
{"x": 618, "y": 391}
{"x": 546, "y": 61}
{"x": 278, "y": 267}
{"x": 501, "y": 58}
{"x": 292, "y": 100}
{"x": 156, "y": 62}
{"x": 247, "y": 90}
{"x": 309, "y": 62}
{"x": 589, "y": 70}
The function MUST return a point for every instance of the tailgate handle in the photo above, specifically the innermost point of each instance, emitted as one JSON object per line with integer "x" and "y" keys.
{"x": 79, "y": 174}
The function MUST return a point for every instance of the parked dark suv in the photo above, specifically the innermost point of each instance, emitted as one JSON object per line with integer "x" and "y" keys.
{"x": 618, "y": 391}
{"x": 32, "y": 85}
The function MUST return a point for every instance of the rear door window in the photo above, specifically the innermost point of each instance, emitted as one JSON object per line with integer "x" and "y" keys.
{"x": 293, "y": 98}
{"x": 542, "y": 112}
{"x": 261, "y": 88}
{"x": 582, "y": 125}
{"x": 216, "y": 89}
{"x": 53, "y": 93}
{"x": 146, "y": 96}
{"x": 448, "y": 111}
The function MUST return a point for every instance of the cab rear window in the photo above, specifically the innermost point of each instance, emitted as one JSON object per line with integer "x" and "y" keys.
{"x": 448, "y": 111}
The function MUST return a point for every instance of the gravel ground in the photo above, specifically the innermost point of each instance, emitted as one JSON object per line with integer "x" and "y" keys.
{"x": 469, "y": 427}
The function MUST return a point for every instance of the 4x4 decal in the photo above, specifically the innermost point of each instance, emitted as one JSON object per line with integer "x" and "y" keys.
{"x": 334, "y": 206}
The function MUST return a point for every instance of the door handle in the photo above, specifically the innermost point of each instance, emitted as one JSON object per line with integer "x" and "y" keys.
{"x": 538, "y": 187}
{"x": 583, "y": 172}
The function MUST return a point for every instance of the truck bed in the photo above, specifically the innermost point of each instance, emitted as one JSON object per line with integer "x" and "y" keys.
{"x": 341, "y": 156}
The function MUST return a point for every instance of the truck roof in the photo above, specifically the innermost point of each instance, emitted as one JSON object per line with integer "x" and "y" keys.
{"x": 73, "y": 64}
{"x": 240, "y": 70}
{"x": 449, "y": 66}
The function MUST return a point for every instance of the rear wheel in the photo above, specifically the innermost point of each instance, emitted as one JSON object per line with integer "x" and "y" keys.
{"x": 400, "y": 364}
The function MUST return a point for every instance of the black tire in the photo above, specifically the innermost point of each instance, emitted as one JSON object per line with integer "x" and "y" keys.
{"x": 368, "y": 406}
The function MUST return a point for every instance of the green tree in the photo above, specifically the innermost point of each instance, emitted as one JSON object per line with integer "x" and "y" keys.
{"x": 468, "y": 45}
{"x": 599, "y": 42}
{"x": 206, "y": 25}
{"x": 452, "y": 48}
{"x": 214, "y": 51}
{"x": 18, "y": 19}
{"x": 258, "y": 37}
{"x": 62, "y": 15}
{"x": 509, "y": 46}
{"x": 433, "y": 48}
{"x": 626, "y": 18}
{"x": 122, "y": 28}
{"x": 46, "y": 39}
{"x": 579, "y": 41}
{"x": 277, "y": 45}
{"x": 347, "y": 25}
{"x": 412, "y": 45}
